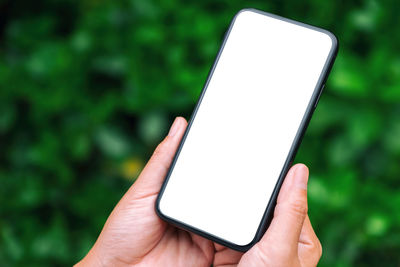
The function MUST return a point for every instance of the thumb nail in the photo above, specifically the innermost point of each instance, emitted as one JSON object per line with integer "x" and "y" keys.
{"x": 301, "y": 176}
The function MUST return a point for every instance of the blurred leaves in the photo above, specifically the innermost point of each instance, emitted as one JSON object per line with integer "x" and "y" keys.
{"x": 88, "y": 88}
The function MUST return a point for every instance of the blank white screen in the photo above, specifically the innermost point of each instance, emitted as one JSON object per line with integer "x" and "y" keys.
{"x": 245, "y": 126}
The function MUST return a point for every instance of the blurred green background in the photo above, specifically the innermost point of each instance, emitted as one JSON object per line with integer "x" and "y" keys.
{"x": 88, "y": 88}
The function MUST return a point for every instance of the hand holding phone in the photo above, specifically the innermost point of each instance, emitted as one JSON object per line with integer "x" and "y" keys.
{"x": 135, "y": 235}
{"x": 224, "y": 171}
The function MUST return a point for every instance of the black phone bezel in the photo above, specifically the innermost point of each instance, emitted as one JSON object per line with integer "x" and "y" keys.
{"x": 268, "y": 214}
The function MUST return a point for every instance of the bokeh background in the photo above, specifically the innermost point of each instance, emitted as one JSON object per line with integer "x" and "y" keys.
{"x": 88, "y": 88}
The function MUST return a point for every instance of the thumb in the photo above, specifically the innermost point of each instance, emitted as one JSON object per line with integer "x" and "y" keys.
{"x": 290, "y": 210}
{"x": 150, "y": 180}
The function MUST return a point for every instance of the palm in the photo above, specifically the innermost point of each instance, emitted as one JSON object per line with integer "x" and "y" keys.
{"x": 163, "y": 244}
{"x": 166, "y": 245}
{"x": 160, "y": 244}
{"x": 179, "y": 248}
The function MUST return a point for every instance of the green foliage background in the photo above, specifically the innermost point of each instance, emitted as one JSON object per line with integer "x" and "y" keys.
{"x": 88, "y": 88}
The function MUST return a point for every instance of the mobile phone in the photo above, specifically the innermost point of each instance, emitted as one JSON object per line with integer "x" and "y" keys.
{"x": 246, "y": 128}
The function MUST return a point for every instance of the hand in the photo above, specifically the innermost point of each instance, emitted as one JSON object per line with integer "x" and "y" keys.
{"x": 135, "y": 235}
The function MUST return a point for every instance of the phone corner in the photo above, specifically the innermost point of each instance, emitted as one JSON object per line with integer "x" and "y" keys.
{"x": 333, "y": 38}
{"x": 245, "y": 247}
{"x": 244, "y": 11}
{"x": 157, "y": 208}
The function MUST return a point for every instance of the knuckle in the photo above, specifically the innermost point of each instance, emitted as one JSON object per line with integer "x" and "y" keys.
{"x": 158, "y": 155}
{"x": 319, "y": 248}
{"x": 316, "y": 249}
{"x": 299, "y": 208}
{"x": 161, "y": 157}
{"x": 160, "y": 150}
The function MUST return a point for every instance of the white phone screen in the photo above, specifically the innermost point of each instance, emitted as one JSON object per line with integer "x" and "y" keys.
{"x": 245, "y": 125}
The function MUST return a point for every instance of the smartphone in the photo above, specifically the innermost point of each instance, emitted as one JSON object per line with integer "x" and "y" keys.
{"x": 246, "y": 127}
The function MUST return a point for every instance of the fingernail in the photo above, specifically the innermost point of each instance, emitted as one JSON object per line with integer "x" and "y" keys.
{"x": 301, "y": 176}
{"x": 174, "y": 128}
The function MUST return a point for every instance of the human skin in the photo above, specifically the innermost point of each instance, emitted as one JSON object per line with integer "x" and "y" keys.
{"x": 135, "y": 236}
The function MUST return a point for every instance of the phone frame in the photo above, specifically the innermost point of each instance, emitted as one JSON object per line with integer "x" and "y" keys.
{"x": 268, "y": 214}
